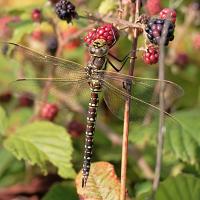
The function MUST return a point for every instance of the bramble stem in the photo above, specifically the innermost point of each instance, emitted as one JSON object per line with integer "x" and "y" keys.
{"x": 161, "y": 131}
{"x": 127, "y": 112}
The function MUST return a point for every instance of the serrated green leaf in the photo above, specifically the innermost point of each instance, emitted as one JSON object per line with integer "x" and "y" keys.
{"x": 181, "y": 187}
{"x": 43, "y": 142}
{"x": 3, "y": 121}
{"x": 183, "y": 142}
{"x": 107, "y": 6}
{"x": 11, "y": 170}
{"x": 61, "y": 191}
{"x": 102, "y": 183}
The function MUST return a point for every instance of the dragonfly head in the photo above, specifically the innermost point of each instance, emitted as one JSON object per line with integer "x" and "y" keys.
{"x": 99, "y": 48}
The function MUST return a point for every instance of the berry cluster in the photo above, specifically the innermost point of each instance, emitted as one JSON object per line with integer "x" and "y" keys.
{"x": 66, "y": 10}
{"x": 156, "y": 27}
{"x": 49, "y": 111}
{"x": 168, "y": 13}
{"x": 107, "y": 32}
{"x": 36, "y": 15}
{"x": 151, "y": 55}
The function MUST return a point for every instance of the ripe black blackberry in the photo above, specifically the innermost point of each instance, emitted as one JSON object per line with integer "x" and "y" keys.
{"x": 66, "y": 10}
{"x": 52, "y": 45}
{"x": 156, "y": 27}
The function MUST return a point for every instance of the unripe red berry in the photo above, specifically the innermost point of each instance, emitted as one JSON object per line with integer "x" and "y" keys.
{"x": 74, "y": 43}
{"x": 107, "y": 32}
{"x": 25, "y": 100}
{"x": 196, "y": 42}
{"x": 151, "y": 55}
{"x": 5, "y": 96}
{"x": 75, "y": 128}
{"x": 182, "y": 60}
{"x": 153, "y": 7}
{"x": 36, "y": 15}
{"x": 49, "y": 111}
{"x": 37, "y": 35}
{"x": 90, "y": 37}
{"x": 168, "y": 13}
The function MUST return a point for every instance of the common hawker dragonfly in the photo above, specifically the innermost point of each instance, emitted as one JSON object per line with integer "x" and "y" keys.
{"x": 94, "y": 78}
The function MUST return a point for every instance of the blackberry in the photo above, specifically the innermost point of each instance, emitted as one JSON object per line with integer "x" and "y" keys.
{"x": 66, "y": 10}
{"x": 52, "y": 45}
{"x": 168, "y": 13}
{"x": 182, "y": 60}
{"x": 153, "y": 7}
{"x": 151, "y": 55}
{"x": 49, "y": 111}
{"x": 195, "y": 6}
{"x": 75, "y": 128}
{"x": 36, "y": 15}
{"x": 196, "y": 41}
{"x": 107, "y": 32}
{"x": 156, "y": 27}
{"x": 5, "y": 96}
{"x": 25, "y": 100}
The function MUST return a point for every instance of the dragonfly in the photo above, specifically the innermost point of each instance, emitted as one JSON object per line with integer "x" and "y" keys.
{"x": 115, "y": 87}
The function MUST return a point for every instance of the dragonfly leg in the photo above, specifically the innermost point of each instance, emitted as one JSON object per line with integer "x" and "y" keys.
{"x": 115, "y": 68}
{"x": 119, "y": 60}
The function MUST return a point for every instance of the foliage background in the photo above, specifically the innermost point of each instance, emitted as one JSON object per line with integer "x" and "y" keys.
{"x": 180, "y": 173}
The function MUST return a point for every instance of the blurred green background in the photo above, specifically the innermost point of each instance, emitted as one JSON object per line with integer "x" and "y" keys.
{"x": 19, "y": 134}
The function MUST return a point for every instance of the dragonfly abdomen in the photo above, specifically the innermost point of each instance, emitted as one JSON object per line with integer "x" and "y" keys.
{"x": 90, "y": 129}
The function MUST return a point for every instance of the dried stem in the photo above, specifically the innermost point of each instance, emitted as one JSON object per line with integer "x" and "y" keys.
{"x": 127, "y": 112}
{"x": 115, "y": 21}
{"x": 161, "y": 133}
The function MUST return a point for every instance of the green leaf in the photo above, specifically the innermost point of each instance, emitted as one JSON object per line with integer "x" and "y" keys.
{"x": 11, "y": 170}
{"x": 107, "y": 6}
{"x": 43, "y": 142}
{"x": 21, "y": 29}
{"x": 102, "y": 183}
{"x": 19, "y": 117}
{"x": 181, "y": 187}
{"x": 3, "y": 121}
{"x": 61, "y": 191}
{"x": 180, "y": 141}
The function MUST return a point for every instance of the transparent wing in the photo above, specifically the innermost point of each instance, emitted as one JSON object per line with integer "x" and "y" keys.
{"x": 35, "y": 71}
{"x": 143, "y": 95}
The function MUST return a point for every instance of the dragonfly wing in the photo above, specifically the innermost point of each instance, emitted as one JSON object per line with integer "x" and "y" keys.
{"x": 41, "y": 63}
{"x": 33, "y": 71}
{"x": 144, "y": 94}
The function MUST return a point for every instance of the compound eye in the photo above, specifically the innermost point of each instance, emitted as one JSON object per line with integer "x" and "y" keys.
{"x": 92, "y": 50}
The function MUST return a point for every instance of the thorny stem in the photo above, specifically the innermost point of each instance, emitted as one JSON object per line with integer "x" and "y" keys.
{"x": 161, "y": 133}
{"x": 127, "y": 112}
